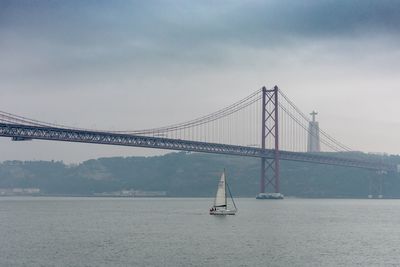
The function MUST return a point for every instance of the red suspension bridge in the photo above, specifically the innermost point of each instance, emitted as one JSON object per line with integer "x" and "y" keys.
{"x": 265, "y": 124}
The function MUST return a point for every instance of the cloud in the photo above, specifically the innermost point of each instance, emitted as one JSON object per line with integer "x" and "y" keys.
{"x": 164, "y": 27}
{"x": 77, "y": 39}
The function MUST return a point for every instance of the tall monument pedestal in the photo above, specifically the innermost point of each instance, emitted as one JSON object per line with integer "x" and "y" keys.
{"x": 313, "y": 143}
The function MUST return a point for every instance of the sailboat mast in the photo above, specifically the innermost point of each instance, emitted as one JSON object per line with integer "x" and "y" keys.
{"x": 226, "y": 202}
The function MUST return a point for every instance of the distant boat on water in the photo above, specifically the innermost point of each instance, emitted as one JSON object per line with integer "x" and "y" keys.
{"x": 220, "y": 206}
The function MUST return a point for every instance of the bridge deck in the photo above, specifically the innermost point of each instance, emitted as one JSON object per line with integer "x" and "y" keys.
{"x": 23, "y": 132}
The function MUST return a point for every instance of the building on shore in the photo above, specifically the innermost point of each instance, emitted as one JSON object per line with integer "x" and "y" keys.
{"x": 132, "y": 193}
{"x": 16, "y": 191}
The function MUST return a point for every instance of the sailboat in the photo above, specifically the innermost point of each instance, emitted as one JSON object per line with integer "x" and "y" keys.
{"x": 220, "y": 206}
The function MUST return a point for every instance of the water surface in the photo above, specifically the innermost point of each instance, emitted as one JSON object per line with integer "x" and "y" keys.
{"x": 179, "y": 232}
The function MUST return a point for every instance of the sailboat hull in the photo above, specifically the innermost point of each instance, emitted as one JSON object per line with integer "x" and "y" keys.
{"x": 222, "y": 212}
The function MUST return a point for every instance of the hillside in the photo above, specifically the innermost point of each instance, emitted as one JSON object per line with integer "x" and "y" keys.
{"x": 191, "y": 175}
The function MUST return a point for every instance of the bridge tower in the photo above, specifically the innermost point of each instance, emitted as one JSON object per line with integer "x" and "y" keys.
{"x": 270, "y": 136}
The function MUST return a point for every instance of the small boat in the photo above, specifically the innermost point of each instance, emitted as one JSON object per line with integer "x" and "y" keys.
{"x": 220, "y": 206}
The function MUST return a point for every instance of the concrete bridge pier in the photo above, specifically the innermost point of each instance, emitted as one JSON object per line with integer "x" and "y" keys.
{"x": 376, "y": 183}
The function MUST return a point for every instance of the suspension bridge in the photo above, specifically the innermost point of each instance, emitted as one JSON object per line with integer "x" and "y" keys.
{"x": 266, "y": 125}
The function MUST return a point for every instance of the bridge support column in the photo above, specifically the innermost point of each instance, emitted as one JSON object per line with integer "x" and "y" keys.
{"x": 269, "y": 181}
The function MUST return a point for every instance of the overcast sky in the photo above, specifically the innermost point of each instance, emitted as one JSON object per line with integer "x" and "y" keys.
{"x": 140, "y": 64}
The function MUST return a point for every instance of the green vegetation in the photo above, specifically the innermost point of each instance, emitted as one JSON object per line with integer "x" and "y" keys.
{"x": 192, "y": 175}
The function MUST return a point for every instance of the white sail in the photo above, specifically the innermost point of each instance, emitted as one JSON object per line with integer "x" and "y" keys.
{"x": 220, "y": 198}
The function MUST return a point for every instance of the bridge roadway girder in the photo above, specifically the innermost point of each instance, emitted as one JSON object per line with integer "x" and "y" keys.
{"x": 18, "y": 131}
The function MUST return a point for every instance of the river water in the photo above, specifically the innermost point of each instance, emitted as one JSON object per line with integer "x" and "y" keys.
{"x": 54, "y": 231}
